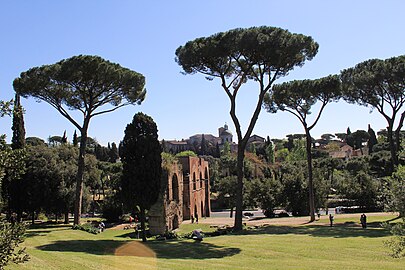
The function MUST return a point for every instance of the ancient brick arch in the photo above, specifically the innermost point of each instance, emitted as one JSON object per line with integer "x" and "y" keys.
{"x": 181, "y": 197}
{"x": 175, "y": 188}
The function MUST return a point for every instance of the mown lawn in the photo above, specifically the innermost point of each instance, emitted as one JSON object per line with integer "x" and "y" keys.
{"x": 345, "y": 246}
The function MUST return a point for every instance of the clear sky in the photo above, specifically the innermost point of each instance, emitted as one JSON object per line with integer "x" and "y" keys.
{"x": 143, "y": 36}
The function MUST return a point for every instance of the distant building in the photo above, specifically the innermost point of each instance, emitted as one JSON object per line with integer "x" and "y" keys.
{"x": 256, "y": 140}
{"x": 185, "y": 194}
{"x": 347, "y": 152}
{"x": 176, "y": 146}
{"x": 208, "y": 137}
{"x": 225, "y": 134}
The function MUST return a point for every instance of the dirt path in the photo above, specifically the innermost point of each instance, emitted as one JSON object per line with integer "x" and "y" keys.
{"x": 292, "y": 221}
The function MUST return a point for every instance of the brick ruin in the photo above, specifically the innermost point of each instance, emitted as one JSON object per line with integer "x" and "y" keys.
{"x": 185, "y": 193}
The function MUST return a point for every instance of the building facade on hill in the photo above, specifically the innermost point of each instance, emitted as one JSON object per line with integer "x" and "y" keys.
{"x": 347, "y": 152}
{"x": 224, "y": 136}
{"x": 185, "y": 194}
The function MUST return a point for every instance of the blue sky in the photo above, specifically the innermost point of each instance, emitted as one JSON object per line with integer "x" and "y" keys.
{"x": 143, "y": 36}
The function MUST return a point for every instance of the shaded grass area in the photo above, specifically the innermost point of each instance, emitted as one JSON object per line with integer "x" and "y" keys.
{"x": 344, "y": 246}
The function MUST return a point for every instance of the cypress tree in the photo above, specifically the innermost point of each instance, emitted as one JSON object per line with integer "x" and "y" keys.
{"x": 64, "y": 138}
{"x": 372, "y": 140}
{"x": 203, "y": 145}
{"x": 18, "y": 140}
{"x": 217, "y": 151}
{"x": 142, "y": 165}
{"x": 113, "y": 153}
{"x": 75, "y": 139}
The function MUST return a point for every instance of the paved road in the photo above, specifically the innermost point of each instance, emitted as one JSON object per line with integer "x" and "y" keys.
{"x": 226, "y": 213}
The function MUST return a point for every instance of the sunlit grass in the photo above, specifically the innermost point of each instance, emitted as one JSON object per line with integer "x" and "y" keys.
{"x": 312, "y": 246}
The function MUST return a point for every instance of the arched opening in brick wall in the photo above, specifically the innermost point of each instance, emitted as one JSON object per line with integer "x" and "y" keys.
{"x": 175, "y": 222}
{"x": 175, "y": 187}
{"x": 202, "y": 210}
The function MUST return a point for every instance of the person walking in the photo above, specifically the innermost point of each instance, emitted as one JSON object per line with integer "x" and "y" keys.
{"x": 331, "y": 218}
{"x": 363, "y": 221}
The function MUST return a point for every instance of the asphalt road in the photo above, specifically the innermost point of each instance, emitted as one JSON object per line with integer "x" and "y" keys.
{"x": 226, "y": 213}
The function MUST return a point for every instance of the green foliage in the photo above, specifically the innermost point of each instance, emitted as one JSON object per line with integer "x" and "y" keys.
{"x": 379, "y": 84}
{"x": 109, "y": 184}
{"x": 396, "y": 191}
{"x": 380, "y": 163}
{"x": 111, "y": 209}
{"x": 297, "y": 97}
{"x": 11, "y": 236}
{"x": 48, "y": 183}
{"x": 12, "y": 165}
{"x": 357, "y": 138}
{"x": 113, "y": 154}
{"x": 298, "y": 152}
{"x": 270, "y": 155}
{"x": 187, "y": 153}
{"x": 262, "y": 54}
{"x": 306, "y": 246}
{"x": 263, "y": 193}
{"x": 45, "y": 83}
{"x": 227, "y": 190}
{"x": 18, "y": 139}
{"x": 87, "y": 227}
{"x": 357, "y": 184}
{"x": 397, "y": 242}
{"x": 226, "y": 150}
{"x": 5, "y": 108}
{"x": 142, "y": 165}
{"x": 294, "y": 193}
{"x": 75, "y": 140}
{"x": 269, "y": 47}
{"x": 34, "y": 141}
{"x": 85, "y": 83}
{"x": 282, "y": 154}
{"x": 372, "y": 140}
{"x": 294, "y": 188}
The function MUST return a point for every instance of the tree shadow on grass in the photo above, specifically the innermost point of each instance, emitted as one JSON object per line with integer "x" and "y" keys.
{"x": 191, "y": 250}
{"x": 168, "y": 249}
{"x": 348, "y": 229}
{"x": 44, "y": 229}
{"x": 53, "y": 225}
{"x": 132, "y": 235}
{"x": 32, "y": 233}
{"x": 96, "y": 247}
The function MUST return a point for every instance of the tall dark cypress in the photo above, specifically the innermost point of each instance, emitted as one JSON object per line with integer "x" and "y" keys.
{"x": 203, "y": 145}
{"x": 372, "y": 140}
{"x": 142, "y": 165}
{"x": 64, "y": 138}
{"x": 75, "y": 139}
{"x": 113, "y": 153}
{"x": 18, "y": 140}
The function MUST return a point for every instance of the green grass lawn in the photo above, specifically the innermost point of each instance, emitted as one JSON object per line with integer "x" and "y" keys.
{"x": 345, "y": 246}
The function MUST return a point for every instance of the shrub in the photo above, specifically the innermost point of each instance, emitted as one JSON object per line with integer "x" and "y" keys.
{"x": 397, "y": 242}
{"x": 88, "y": 227}
{"x": 11, "y": 236}
{"x": 111, "y": 209}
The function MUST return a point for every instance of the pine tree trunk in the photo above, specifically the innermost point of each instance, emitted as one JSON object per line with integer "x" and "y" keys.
{"x": 66, "y": 217}
{"x": 143, "y": 221}
{"x": 80, "y": 175}
{"x": 394, "y": 158}
{"x": 239, "y": 192}
{"x": 310, "y": 176}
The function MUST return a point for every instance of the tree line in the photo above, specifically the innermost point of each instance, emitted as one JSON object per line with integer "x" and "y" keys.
{"x": 95, "y": 86}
